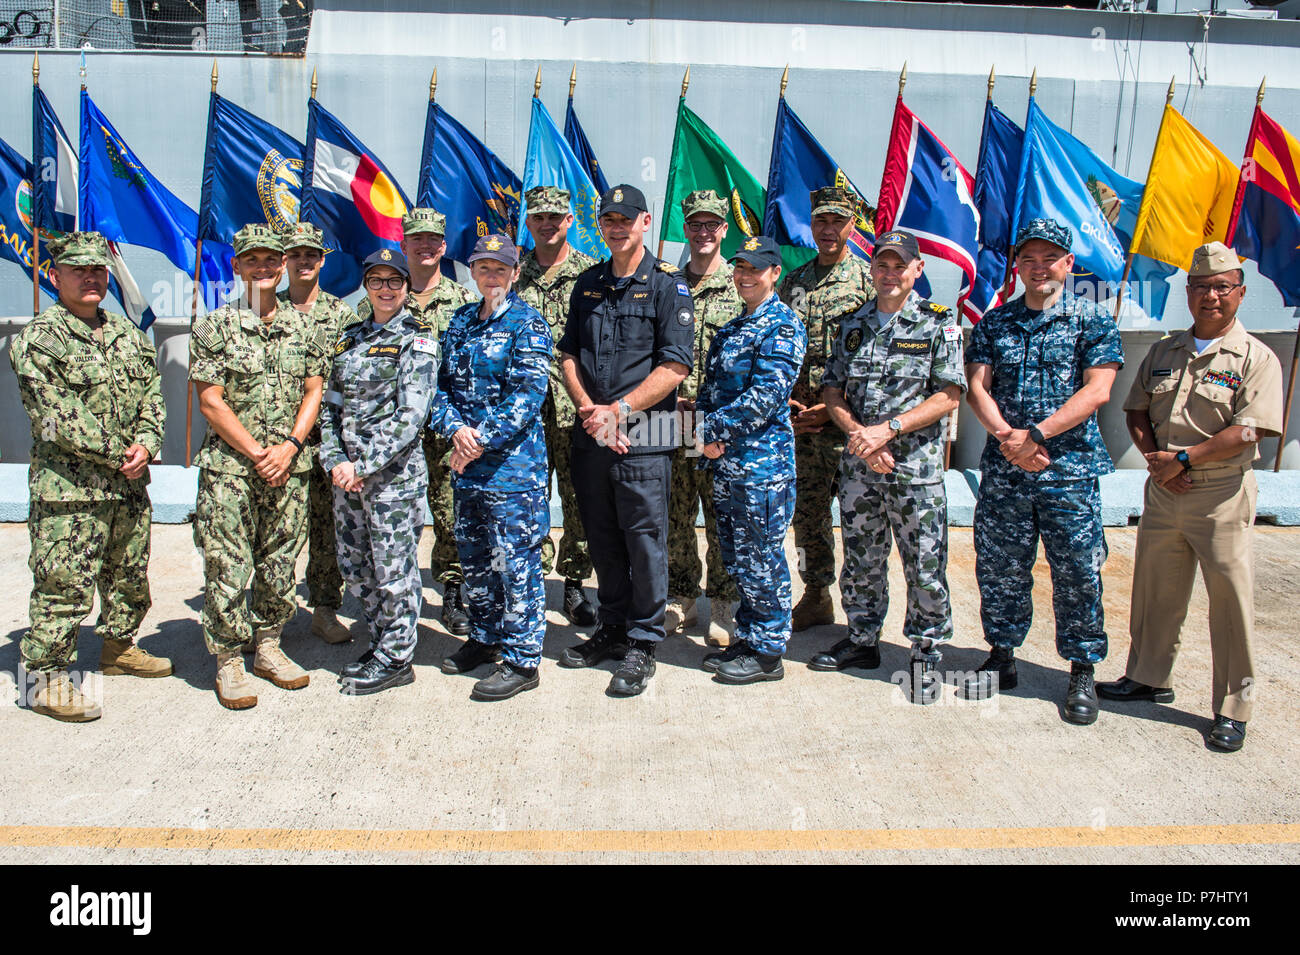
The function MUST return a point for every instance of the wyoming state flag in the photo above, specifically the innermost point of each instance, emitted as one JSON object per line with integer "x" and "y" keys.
{"x": 346, "y": 190}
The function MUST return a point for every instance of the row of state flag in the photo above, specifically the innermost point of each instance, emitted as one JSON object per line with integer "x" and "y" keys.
{"x": 254, "y": 171}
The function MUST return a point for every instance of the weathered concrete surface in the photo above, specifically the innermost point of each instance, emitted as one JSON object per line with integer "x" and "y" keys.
{"x": 783, "y": 771}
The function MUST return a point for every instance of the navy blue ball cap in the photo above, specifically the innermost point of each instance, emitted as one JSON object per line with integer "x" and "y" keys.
{"x": 626, "y": 200}
{"x": 900, "y": 242}
{"x": 394, "y": 260}
{"x": 760, "y": 251}
{"x": 499, "y": 248}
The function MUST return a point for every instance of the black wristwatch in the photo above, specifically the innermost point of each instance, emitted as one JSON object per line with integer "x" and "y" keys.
{"x": 295, "y": 442}
{"x": 1036, "y": 435}
{"x": 1182, "y": 458}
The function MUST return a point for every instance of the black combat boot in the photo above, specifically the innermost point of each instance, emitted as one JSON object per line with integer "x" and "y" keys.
{"x": 454, "y": 617}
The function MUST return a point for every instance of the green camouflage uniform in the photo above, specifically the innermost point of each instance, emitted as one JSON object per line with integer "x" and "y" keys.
{"x": 820, "y": 301}
{"x": 716, "y": 303}
{"x": 243, "y": 527}
{"x": 324, "y": 582}
{"x": 88, "y": 401}
{"x": 548, "y": 292}
{"x": 444, "y": 562}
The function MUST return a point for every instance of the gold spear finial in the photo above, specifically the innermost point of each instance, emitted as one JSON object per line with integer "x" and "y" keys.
{"x": 1033, "y": 82}
{"x": 537, "y": 81}
{"x": 992, "y": 80}
{"x": 785, "y": 78}
{"x": 686, "y": 80}
{"x": 433, "y": 84}
{"x": 1169, "y": 96}
{"x": 902, "y": 80}
{"x": 36, "y": 69}
{"x": 1259, "y": 97}
{"x": 573, "y": 79}
{"x": 214, "y": 76}
{"x": 313, "y": 82}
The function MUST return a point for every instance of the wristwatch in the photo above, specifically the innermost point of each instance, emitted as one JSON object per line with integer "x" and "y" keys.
{"x": 1035, "y": 435}
{"x": 624, "y": 409}
{"x": 295, "y": 442}
{"x": 896, "y": 426}
{"x": 1182, "y": 458}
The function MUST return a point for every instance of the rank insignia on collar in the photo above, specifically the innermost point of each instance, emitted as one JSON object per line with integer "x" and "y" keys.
{"x": 386, "y": 256}
{"x": 853, "y": 340}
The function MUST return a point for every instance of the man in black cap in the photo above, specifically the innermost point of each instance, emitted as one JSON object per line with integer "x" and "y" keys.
{"x": 627, "y": 346}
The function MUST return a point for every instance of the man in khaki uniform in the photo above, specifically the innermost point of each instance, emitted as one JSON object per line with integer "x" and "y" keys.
{"x": 1200, "y": 403}
{"x": 89, "y": 382}
{"x": 716, "y": 302}
{"x": 259, "y": 366}
{"x": 546, "y": 276}
{"x": 433, "y": 299}
{"x": 304, "y": 254}
{"x": 833, "y": 284}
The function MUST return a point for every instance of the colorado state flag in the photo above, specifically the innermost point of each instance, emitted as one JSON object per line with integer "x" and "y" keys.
{"x": 346, "y": 190}
{"x": 1266, "y": 211}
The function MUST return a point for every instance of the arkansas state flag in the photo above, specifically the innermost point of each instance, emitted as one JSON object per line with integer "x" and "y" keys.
{"x": 346, "y": 190}
{"x": 927, "y": 192}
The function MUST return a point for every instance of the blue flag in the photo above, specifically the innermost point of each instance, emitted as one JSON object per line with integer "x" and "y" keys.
{"x": 347, "y": 191}
{"x": 252, "y": 172}
{"x": 17, "y": 216}
{"x": 464, "y": 180}
{"x": 551, "y": 162}
{"x": 995, "y": 176}
{"x": 120, "y": 199}
{"x": 581, "y": 146}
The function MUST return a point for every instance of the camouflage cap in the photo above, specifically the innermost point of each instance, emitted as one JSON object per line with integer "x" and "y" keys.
{"x": 303, "y": 235}
{"x": 547, "y": 199}
{"x": 841, "y": 202}
{"x": 704, "y": 200}
{"x": 79, "y": 248}
{"x": 1049, "y": 230}
{"x": 1213, "y": 258}
{"x": 424, "y": 220}
{"x": 258, "y": 235}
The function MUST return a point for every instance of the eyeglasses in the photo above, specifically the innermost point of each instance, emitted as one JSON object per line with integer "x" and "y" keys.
{"x": 710, "y": 226}
{"x": 394, "y": 282}
{"x": 1220, "y": 289}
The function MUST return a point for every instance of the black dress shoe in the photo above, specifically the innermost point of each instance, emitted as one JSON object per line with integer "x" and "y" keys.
{"x": 351, "y": 669}
{"x": 634, "y": 673}
{"x": 712, "y": 661}
{"x": 577, "y": 608}
{"x": 1129, "y": 691}
{"x": 750, "y": 666}
{"x": 996, "y": 673}
{"x": 471, "y": 655}
{"x": 374, "y": 676}
{"x": 1227, "y": 735}
{"x": 1081, "y": 696}
{"x": 605, "y": 642}
{"x": 454, "y": 617}
{"x": 504, "y": 682}
{"x": 923, "y": 684}
{"x": 846, "y": 654}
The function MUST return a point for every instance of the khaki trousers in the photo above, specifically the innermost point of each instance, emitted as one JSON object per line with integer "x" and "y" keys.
{"x": 1210, "y": 525}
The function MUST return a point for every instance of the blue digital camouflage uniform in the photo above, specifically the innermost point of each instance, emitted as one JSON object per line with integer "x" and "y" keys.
{"x": 493, "y": 377}
{"x": 1037, "y": 362}
{"x": 373, "y": 415}
{"x": 751, "y": 369}
{"x": 882, "y": 372}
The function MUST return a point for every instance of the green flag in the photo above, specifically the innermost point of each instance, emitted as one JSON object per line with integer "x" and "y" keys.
{"x": 702, "y": 161}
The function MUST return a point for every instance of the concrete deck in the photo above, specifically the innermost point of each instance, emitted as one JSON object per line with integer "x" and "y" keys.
{"x": 820, "y": 766}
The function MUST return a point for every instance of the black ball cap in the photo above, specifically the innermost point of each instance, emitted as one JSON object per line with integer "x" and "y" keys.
{"x": 760, "y": 251}
{"x": 626, "y": 200}
{"x": 896, "y": 240}
{"x": 394, "y": 260}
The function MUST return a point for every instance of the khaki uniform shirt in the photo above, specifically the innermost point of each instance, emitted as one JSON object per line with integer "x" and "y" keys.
{"x": 88, "y": 401}
{"x": 716, "y": 303}
{"x": 841, "y": 291}
{"x": 262, "y": 367}
{"x": 1190, "y": 397}
{"x": 549, "y": 293}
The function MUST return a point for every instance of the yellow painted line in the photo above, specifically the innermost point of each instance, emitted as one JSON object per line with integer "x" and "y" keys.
{"x": 616, "y": 840}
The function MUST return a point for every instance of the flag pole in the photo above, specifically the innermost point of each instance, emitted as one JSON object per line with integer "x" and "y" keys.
{"x": 573, "y": 79}
{"x": 1128, "y": 261}
{"x": 537, "y": 82}
{"x": 785, "y": 79}
{"x": 194, "y": 312}
{"x": 36, "y": 226}
{"x": 1011, "y": 259}
{"x": 686, "y": 82}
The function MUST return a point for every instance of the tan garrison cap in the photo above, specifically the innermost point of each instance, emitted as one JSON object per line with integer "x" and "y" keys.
{"x": 1213, "y": 258}
{"x": 424, "y": 220}
{"x": 540, "y": 199}
{"x": 257, "y": 236}
{"x": 79, "y": 248}
{"x": 704, "y": 200}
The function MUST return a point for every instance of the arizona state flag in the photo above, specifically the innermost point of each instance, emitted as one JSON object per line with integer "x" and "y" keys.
{"x": 346, "y": 190}
{"x": 1189, "y": 194}
{"x": 1266, "y": 213}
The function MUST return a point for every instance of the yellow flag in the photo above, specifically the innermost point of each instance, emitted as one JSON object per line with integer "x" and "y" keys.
{"x": 1188, "y": 197}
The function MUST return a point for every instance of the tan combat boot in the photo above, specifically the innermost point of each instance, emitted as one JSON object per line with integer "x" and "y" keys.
{"x": 722, "y": 622}
{"x": 124, "y": 658}
{"x": 325, "y": 624}
{"x": 234, "y": 688}
{"x": 813, "y": 610}
{"x": 679, "y": 614}
{"x": 56, "y": 696}
{"x": 271, "y": 663}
